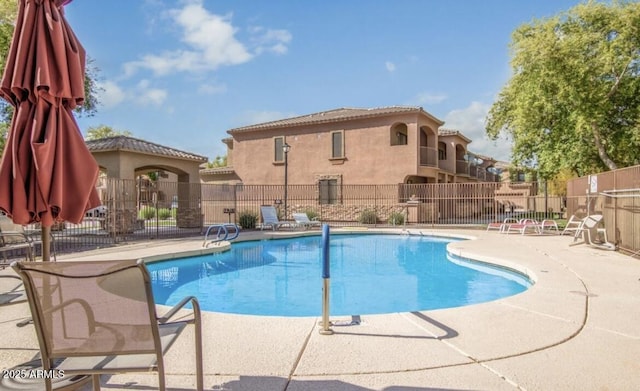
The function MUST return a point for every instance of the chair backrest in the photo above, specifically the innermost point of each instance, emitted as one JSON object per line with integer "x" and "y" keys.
{"x": 592, "y": 221}
{"x": 269, "y": 214}
{"x": 91, "y": 308}
{"x": 301, "y": 217}
{"x": 7, "y": 225}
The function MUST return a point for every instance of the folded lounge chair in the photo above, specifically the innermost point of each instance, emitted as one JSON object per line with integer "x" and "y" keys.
{"x": 573, "y": 225}
{"x": 303, "y": 220}
{"x": 99, "y": 317}
{"x": 590, "y": 232}
{"x": 270, "y": 218}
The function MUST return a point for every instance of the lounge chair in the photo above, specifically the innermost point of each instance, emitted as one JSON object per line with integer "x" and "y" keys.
{"x": 590, "y": 232}
{"x": 523, "y": 226}
{"x": 537, "y": 227}
{"x": 502, "y": 226}
{"x": 303, "y": 220}
{"x": 573, "y": 225}
{"x": 270, "y": 218}
{"x": 99, "y": 317}
{"x": 13, "y": 238}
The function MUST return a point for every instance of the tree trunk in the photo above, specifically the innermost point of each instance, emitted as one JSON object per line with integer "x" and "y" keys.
{"x": 601, "y": 150}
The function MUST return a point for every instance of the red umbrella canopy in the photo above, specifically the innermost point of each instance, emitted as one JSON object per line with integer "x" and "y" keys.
{"x": 47, "y": 174}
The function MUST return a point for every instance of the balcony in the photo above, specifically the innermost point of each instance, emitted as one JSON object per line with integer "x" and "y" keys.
{"x": 428, "y": 156}
{"x": 482, "y": 175}
{"x": 462, "y": 167}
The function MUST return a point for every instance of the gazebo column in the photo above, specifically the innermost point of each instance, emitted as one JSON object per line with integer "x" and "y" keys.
{"x": 122, "y": 210}
{"x": 189, "y": 213}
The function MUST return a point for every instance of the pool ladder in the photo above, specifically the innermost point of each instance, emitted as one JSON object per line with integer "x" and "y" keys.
{"x": 221, "y": 234}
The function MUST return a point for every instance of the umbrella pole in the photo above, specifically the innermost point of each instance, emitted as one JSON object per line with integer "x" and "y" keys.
{"x": 46, "y": 244}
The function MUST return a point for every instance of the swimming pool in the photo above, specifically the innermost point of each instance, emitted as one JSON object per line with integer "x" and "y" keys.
{"x": 370, "y": 274}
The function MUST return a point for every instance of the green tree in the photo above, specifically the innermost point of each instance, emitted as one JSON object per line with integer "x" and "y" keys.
{"x": 219, "y": 161}
{"x": 104, "y": 131}
{"x": 573, "y": 101}
{"x": 8, "y": 13}
{"x": 558, "y": 184}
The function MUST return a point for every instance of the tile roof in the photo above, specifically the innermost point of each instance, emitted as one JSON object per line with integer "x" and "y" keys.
{"x": 452, "y": 132}
{"x": 217, "y": 171}
{"x": 336, "y": 115}
{"x": 126, "y": 143}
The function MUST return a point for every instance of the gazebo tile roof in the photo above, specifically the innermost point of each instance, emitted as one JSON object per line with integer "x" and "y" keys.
{"x": 126, "y": 143}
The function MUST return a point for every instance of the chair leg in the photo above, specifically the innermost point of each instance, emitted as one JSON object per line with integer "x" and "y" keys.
{"x": 199, "y": 363}
{"x": 96, "y": 382}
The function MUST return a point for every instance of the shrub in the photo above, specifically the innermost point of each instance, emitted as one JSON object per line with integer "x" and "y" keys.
{"x": 146, "y": 213}
{"x": 174, "y": 213}
{"x": 311, "y": 214}
{"x": 247, "y": 219}
{"x": 368, "y": 216}
{"x": 164, "y": 213}
{"x": 396, "y": 218}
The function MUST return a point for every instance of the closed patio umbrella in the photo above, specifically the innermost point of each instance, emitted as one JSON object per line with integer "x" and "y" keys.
{"x": 47, "y": 174}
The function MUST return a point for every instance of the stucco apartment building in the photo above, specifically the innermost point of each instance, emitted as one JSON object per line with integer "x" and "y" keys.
{"x": 351, "y": 146}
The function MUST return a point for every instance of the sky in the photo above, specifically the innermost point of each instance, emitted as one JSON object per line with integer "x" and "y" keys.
{"x": 182, "y": 72}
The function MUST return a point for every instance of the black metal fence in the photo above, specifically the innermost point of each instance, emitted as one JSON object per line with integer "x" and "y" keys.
{"x": 134, "y": 211}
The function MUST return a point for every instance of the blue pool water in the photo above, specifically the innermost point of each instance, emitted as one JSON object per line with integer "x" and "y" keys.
{"x": 370, "y": 274}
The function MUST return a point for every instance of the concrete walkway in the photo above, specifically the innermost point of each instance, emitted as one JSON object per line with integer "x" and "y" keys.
{"x": 577, "y": 328}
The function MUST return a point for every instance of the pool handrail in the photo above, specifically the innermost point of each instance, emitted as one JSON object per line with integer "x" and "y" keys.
{"x": 222, "y": 234}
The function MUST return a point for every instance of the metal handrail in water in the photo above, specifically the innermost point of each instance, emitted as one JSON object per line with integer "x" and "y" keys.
{"x": 221, "y": 234}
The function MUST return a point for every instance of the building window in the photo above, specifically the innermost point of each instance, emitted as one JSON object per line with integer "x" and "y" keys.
{"x": 399, "y": 135}
{"x": 278, "y": 153}
{"x": 401, "y": 138}
{"x": 337, "y": 144}
{"x": 328, "y": 190}
{"x": 442, "y": 151}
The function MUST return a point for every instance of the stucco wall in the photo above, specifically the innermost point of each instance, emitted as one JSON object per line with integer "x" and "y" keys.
{"x": 370, "y": 157}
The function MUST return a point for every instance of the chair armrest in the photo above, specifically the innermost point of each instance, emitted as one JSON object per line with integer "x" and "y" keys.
{"x": 16, "y": 234}
{"x": 180, "y": 305}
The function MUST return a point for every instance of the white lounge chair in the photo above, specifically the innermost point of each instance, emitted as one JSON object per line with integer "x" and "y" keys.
{"x": 573, "y": 225}
{"x": 270, "y": 218}
{"x": 590, "y": 232}
{"x": 303, "y": 220}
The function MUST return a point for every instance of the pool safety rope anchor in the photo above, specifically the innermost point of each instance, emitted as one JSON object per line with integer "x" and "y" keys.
{"x": 326, "y": 278}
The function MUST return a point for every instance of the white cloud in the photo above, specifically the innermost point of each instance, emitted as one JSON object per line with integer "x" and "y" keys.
{"x": 470, "y": 121}
{"x": 212, "y": 89}
{"x": 147, "y": 95}
{"x": 391, "y": 67}
{"x": 270, "y": 40}
{"x": 111, "y": 94}
{"x": 428, "y": 98}
{"x": 210, "y": 42}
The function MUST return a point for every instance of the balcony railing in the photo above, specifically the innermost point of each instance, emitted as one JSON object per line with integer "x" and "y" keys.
{"x": 428, "y": 156}
{"x": 462, "y": 167}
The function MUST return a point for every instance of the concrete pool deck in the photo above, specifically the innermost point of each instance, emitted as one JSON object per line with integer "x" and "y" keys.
{"x": 577, "y": 328}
